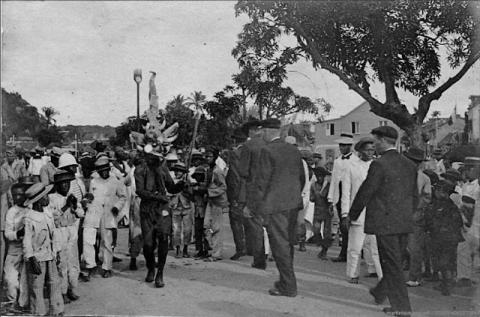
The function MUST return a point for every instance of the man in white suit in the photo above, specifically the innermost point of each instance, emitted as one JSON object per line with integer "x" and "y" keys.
{"x": 355, "y": 174}
{"x": 335, "y": 192}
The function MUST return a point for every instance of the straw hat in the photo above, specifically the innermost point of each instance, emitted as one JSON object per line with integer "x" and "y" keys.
{"x": 36, "y": 192}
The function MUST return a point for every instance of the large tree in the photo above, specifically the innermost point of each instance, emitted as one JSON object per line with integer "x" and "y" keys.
{"x": 396, "y": 43}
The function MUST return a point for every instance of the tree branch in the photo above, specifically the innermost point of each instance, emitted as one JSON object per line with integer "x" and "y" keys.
{"x": 425, "y": 101}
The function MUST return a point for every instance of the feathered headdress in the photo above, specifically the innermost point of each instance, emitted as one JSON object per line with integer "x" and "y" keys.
{"x": 156, "y": 139}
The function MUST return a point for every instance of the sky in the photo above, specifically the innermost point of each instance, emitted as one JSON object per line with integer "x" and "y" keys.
{"x": 79, "y": 57}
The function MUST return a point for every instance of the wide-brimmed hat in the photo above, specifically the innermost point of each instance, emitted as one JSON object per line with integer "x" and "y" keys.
{"x": 179, "y": 167}
{"x": 36, "y": 192}
{"x": 362, "y": 142}
{"x": 415, "y": 154}
{"x": 271, "y": 123}
{"x": 63, "y": 176}
{"x": 27, "y": 180}
{"x": 345, "y": 138}
{"x": 102, "y": 163}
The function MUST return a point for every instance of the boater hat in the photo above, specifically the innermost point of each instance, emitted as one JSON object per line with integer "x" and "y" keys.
{"x": 36, "y": 192}
{"x": 103, "y": 163}
{"x": 345, "y": 138}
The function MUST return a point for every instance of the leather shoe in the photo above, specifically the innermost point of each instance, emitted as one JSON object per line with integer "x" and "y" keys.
{"x": 276, "y": 292}
{"x": 72, "y": 296}
{"x": 339, "y": 259}
{"x": 133, "y": 264}
{"x": 378, "y": 300}
{"x": 107, "y": 274}
{"x": 66, "y": 300}
{"x": 259, "y": 266}
{"x": 237, "y": 256}
{"x": 150, "y": 276}
{"x": 159, "y": 280}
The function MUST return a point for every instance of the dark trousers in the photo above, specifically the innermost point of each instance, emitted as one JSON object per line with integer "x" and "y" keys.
{"x": 201, "y": 244}
{"x": 255, "y": 229}
{"x": 417, "y": 248}
{"x": 281, "y": 229}
{"x": 154, "y": 237}
{"x": 237, "y": 224}
{"x": 392, "y": 285}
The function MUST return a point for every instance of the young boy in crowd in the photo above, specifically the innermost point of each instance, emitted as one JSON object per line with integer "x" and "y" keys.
{"x": 182, "y": 211}
{"x": 15, "y": 274}
{"x": 445, "y": 224}
{"x": 40, "y": 252}
{"x": 322, "y": 214}
{"x": 65, "y": 210}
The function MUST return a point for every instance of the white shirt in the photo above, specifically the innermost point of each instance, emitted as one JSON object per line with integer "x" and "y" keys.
{"x": 355, "y": 175}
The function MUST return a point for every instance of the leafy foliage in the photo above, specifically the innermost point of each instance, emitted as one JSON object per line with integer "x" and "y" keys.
{"x": 397, "y": 43}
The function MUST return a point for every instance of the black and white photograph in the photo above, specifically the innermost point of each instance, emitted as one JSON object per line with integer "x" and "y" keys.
{"x": 240, "y": 158}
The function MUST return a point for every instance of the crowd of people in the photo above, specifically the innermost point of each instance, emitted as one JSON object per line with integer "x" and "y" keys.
{"x": 399, "y": 211}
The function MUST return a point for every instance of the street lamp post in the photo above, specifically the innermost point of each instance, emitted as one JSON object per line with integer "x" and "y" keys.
{"x": 137, "y": 77}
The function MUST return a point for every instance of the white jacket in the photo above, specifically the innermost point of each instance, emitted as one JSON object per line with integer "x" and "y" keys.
{"x": 108, "y": 193}
{"x": 355, "y": 175}
{"x": 339, "y": 167}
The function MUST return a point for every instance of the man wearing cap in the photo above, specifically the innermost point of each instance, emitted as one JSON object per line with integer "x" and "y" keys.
{"x": 40, "y": 252}
{"x": 468, "y": 250}
{"x": 250, "y": 170}
{"x": 65, "y": 210}
{"x": 15, "y": 273}
{"x": 280, "y": 188}
{"x": 390, "y": 195}
{"x": 109, "y": 193}
{"x": 152, "y": 180}
{"x": 235, "y": 188}
{"x": 48, "y": 170}
{"x": 418, "y": 239}
{"x": 335, "y": 196}
{"x": 355, "y": 174}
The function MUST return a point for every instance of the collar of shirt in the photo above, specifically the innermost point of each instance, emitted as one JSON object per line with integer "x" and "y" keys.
{"x": 347, "y": 156}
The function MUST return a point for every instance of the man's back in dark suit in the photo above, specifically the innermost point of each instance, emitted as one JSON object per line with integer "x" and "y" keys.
{"x": 389, "y": 193}
{"x": 281, "y": 180}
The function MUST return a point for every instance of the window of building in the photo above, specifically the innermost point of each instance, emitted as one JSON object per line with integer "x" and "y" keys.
{"x": 383, "y": 123}
{"x": 355, "y": 127}
{"x": 330, "y": 129}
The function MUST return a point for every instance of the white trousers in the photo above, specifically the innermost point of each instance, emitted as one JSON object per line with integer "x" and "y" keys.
{"x": 358, "y": 240}
{"x": 89, "y": 238}
{"x": 106, "y": 250}
{"x": 16, "y": 279}
{"x": 266, "y": 242}
{"x": 467, "y": 252}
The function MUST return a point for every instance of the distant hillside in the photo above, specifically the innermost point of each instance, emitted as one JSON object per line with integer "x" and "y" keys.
{"x": 88, "y": 132}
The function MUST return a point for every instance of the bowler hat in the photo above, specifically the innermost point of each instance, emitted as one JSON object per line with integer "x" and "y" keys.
{"x": 385, "y": 131}
{"x": 345, "y": 138}
{"x": 63, "y": 176}
{"x": 362, "y": 142}
{"x": 102, "y": 163}
{"x": 452, "y": 175}
{"x": 36, "y": 192}
{"x": 270, "y": 123}
{"x": 415, "y": 154}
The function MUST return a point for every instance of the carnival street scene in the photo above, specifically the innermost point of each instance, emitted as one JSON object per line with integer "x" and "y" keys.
{"x": 240, "y": 158}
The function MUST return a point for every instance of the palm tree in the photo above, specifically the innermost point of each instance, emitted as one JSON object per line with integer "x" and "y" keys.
{"x": 196, "y": 100}
{"x": 177, "y": 101}
{"x": 49, "y": 113}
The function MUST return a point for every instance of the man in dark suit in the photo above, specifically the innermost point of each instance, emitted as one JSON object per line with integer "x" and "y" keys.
{"x": 390, "y": 194}
{"x": 281, "y": 182}
{"x": 249, "y": 170}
